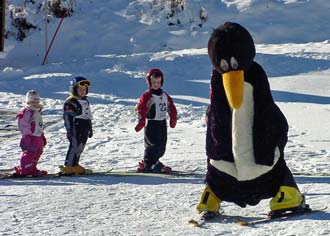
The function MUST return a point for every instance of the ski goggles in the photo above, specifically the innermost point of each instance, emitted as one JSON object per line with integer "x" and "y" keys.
{"x": 84, "y": 83}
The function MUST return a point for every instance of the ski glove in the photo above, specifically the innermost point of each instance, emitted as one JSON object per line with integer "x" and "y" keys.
{"x": 140, "y": 125}
{"x": 207, "y": 114}
{"x": 44, "y": 139}
{"x": 90, "y": 133}
{"x": 173, "y": 122}
{"x": 69, "y": 135}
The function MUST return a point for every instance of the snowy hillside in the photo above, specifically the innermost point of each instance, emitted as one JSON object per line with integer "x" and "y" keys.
{"x": 114, "y": 43}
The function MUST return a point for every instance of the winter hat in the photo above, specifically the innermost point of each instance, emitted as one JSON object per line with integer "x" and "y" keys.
{"x": 32, "y": 96}
{"x": 155, "y": 73}
{"x": 79, "y": 81}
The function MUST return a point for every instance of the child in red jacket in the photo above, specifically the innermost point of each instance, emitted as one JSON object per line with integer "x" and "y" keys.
{"x": 153, "y": 106}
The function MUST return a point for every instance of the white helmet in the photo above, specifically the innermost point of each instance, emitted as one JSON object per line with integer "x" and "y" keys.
{"x": 32, "y": 96}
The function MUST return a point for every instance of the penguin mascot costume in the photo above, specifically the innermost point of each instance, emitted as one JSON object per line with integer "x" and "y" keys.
{"x": 246, "y": 131}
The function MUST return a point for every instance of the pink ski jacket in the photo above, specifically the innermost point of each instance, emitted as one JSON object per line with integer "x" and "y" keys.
{"x": 30, "y": 121}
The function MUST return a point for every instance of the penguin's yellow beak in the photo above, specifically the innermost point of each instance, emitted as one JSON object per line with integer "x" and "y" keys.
{"x": 233, "y": 82}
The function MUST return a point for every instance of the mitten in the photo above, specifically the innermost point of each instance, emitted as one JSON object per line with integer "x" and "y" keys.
{"x": 206, "y": 119}
{"x": 140, "y": 125}
{"x": 44, "y": 139}
{"x": 69, "y": 135}
{"x": 173, "y": 122}
{"x": 90, "y": 133}
{"x": 207, "y": 114}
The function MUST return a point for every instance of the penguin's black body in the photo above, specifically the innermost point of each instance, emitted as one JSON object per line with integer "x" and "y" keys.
{"x": 246, "y": 136}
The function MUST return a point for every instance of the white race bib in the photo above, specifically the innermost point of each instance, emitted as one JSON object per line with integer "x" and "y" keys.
{"x": 39, "y": 125}
{"x": 160, "y": 105}
{"x": 86, "y": 112}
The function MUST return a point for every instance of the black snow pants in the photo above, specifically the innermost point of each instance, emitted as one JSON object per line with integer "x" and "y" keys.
{"x": 155, "y": 138}
{"x": 77, "y": 142}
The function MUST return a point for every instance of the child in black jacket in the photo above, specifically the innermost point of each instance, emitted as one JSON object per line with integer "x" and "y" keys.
{"x": 78, "y": 123}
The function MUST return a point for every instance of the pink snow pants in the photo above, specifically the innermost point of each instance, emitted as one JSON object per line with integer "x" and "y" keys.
{"x": 32, "y": 147}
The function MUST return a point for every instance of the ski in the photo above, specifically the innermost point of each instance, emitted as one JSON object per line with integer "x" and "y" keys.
{"x": 203, "y": 217}
{"x": 173, "y": 173}
{"x": 50, "y": 176}
{"x": 280, "y": 217}
{"x": 9, "y": 174}
{"x": 7, "y": 170}
{"x": 310, "y": 174}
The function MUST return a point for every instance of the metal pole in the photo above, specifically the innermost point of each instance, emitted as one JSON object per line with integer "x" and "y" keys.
{"x": 2, "y": 24}
{"x": 46, "y": 35}
{"x": 52, "y": 41}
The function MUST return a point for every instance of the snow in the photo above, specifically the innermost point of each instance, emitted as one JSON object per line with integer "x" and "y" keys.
{"x": 114, "y": 43}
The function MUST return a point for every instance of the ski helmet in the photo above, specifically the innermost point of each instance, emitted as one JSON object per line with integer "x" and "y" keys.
{"x": 155, "y": 73}
{"x": 32, "y": 96}
{"x": 79, "y": 81}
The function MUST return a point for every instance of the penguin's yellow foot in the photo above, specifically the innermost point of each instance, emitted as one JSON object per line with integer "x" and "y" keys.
{"x": 209, "y": 202}
{"x": 287, "y": 199}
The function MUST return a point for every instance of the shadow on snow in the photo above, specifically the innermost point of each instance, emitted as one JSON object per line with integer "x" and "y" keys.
{"x": 103, "y": 180}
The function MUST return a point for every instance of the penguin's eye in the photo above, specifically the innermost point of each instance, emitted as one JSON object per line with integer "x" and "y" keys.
{"x": 224, "y": 65}
{"x": 233, "y": 63}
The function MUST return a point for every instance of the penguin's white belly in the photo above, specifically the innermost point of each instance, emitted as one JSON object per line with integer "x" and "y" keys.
{"x": 244, "y": 166}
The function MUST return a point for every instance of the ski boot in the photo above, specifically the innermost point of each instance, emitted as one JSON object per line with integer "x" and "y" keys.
{"x": 18, "y": 170}
{"x": 86, "y": 171}
{"x": 208, "y": 208}
{"x": 34, "y": 173}
{"x": 66, "y": 170}
{"x": 158, "y": 167}
{"x": 141, "y": 167}
{"x": 287, "y": 200}
{"x": 39, "y": 173}
{"x": 209, "y": 203}
{"x": 71, "y": 170}
{"x": 74, "y": 170}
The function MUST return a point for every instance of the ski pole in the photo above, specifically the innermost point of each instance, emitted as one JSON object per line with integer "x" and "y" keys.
{"x": 52, "y": 41}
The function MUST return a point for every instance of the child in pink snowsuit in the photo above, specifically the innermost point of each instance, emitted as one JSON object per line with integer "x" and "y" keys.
{"x": 33, "y": 140}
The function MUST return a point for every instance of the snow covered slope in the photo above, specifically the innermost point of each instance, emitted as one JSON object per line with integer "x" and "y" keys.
{"x": 114, "y": 43}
